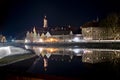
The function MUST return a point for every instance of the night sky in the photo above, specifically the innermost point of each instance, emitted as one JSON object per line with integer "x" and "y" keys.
{"x": 18, "y": 16}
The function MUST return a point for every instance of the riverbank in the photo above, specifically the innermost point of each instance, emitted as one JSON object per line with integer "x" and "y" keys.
{"x": 101, "y": 45}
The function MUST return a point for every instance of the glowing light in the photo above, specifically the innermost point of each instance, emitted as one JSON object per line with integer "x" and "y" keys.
{"x": 76, "y": 50}
{"x": 87, "y": 31}
{"x": 69, "y": 40}
{"x": 12, "y": 40}
{"x": 76, "y": 39}
{"x": 40, "y": 40}
{"x": 40, "y": 49}
{"x": 51, "y": 40}
{"x": 27, "y": 47}
{"x": 48, "y": 55}
{"x": 45, "y": 63}
{"x": 27, "y": 41}
{"x": 87, "y": 51}
{"x": 88, "y": 58}
{"x": 51, "y": 50}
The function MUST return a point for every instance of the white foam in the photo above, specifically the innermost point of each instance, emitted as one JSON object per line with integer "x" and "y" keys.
{"x": 11, "y": 50}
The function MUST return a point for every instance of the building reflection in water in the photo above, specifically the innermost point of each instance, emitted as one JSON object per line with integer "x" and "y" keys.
{"x": 92, "y": 56}
{"x": 45, "y": 63}
{"x": 88, "y": 55}
{"x": 56, "y": 53}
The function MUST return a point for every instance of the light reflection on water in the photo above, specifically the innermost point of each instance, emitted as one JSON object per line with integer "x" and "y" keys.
{"x": 72, "y": 61}
{"x": 88, "y": 55}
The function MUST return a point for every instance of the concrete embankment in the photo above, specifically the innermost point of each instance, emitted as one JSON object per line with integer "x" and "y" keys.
{"x": 105, "y": 45}
{"x": 11, "y": 44}
{"x": 102, "y": 45}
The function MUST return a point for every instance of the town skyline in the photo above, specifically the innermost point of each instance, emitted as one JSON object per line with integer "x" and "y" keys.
{"x": 19, "y": 16}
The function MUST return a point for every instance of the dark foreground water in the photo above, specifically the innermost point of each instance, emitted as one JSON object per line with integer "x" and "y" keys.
{"x": 66, "y": 64}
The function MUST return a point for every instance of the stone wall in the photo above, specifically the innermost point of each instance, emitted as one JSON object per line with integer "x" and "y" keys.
{"x": 99, "y": 33}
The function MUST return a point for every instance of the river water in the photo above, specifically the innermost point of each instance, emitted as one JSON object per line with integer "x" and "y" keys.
{"x": 72, "y": 62}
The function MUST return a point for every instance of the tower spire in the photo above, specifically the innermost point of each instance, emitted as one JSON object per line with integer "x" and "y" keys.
{"x": 34, "y": 30}
{"x": 45, "y": 24}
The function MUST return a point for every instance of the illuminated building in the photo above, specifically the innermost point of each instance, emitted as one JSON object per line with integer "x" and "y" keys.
{"x": 2, "y": 38}
{"x": 92, "y": 31}
{"x": 53, "y": 34}
{"x": 91, "y": 56}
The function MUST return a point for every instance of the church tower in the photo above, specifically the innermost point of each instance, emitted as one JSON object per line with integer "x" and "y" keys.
{"x": 34, "y": 32}
{"x": 45, "y": 24}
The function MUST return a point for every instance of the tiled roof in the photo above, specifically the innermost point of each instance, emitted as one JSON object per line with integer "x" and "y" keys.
{"x": 91, "y": 24}
{"x": 59, "y": 32}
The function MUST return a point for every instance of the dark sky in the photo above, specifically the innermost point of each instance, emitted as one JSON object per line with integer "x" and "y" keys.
{"x": 18, "y": 16}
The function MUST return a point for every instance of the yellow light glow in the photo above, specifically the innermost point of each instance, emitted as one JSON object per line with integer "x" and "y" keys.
{"x": 44, "y": 51}
{"x": 51, "y": 39}
{"x": 40, "y": 49}
{"x": 45, "y": 62}
{"x": 51, "y": 50}
{"x": 40, "y": 40}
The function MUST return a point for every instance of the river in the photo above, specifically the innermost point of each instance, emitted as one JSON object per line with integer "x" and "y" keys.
{"x": 66, "y": 63}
